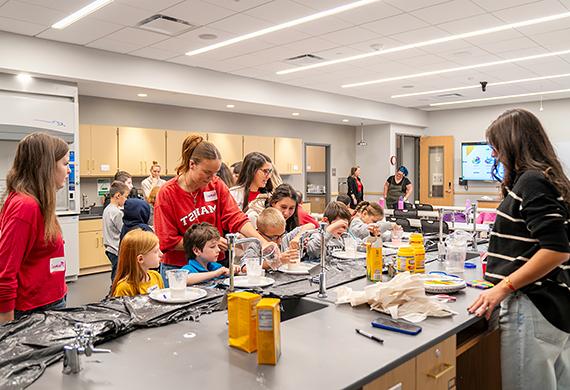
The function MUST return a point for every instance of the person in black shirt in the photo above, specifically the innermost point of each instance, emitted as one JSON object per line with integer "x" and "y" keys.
{"x": 396, "y": 186}
{"x": 355, "y": 187}
{"x": 528, "y": 257}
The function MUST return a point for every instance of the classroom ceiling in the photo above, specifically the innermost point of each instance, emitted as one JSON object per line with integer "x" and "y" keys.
{"x": 377, "y": 26}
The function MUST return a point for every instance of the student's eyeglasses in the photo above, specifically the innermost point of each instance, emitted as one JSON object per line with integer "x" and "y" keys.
{"x": 267, "y": 172}
{"x": 273, "y": 238}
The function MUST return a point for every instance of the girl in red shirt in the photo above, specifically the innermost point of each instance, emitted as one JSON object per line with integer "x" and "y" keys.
{"x": 32, "y": 266}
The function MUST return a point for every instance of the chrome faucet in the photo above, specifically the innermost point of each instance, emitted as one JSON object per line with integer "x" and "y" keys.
{"x": 443, "y": 212}
{"x": 232, "y": 242}
{"x": 322, "y": 275}
{"x": 83, "y": 343}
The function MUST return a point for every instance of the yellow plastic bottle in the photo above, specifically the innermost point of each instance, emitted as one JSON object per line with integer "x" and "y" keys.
{"x": 374, "y": 263}
{"x": 419, "y": 259}
{"x": 416, "y": 239}
{"x": 405, "y": 259}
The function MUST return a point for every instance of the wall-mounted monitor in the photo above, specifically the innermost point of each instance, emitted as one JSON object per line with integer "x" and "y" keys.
{"x": 477, "y": 162}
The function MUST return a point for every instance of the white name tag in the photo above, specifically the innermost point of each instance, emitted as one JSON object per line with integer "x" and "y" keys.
{"x": 57, "y": 264}
{"x": 152, "y": 288}
{"x": 210, "y": 196}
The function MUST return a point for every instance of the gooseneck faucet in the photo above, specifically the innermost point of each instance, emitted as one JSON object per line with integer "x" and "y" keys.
{"x": 232, "y": 242}
{"x": 322, "y": 275}
{"x": 83, "y": 343}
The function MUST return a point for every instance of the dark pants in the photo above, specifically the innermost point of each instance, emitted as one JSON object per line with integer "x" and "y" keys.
{"x": 114, "y": 259}
{"x": 57, "y": 305}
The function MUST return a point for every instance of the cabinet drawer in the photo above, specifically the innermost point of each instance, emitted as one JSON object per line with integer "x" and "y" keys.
{"x": 91, "y": 225}
{"x": 400, "y": 378}
{"x": 435, "y": 368}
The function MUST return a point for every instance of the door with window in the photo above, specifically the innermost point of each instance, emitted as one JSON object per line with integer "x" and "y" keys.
{"x": 436, "y": 170}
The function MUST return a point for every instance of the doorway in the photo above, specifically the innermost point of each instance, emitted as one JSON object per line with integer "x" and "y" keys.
{"x": 317, "y": 176}
{"x": 408, "y": 155}
{"x": 436, "y": 166}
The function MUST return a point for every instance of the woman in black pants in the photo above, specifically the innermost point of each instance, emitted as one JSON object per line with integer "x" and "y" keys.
{"x": 355, "y": 187}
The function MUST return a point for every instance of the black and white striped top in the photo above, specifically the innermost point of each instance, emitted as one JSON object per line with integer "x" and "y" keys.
{"x": 533, "y": 216}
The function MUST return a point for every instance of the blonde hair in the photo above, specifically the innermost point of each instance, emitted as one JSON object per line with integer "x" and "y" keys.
{"x": 371, "y": 208}
{"x": 136, "y": 242}
{"x": 33, "y": 174}
{"x": 152, "y": 195}
{"x": 270, "y": 217}
{"x": 196, "y": 148}
{"x": 155, "y": 164}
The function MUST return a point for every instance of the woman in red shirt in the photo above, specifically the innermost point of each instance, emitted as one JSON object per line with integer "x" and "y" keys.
{"x": 32, "y": 266}
{"x": 254, "y": 179}
{"x": 355, "y": 187}
{"x": 195, "y": 195}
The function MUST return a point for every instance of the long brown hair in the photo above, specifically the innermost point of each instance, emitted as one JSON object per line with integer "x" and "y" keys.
{"x": 33, "y": 174}
{"x": 283, "y": 191}
{"x": 196, "y": 148}
{"x": 136, "y": 242}
{"x": 521, "y": 144}
{"x": 251, "y": 163}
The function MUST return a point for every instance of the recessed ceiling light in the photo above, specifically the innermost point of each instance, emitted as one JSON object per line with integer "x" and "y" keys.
{"x": 449, "y": 38}
{"x": 207, "y": 37}
{"x": 556, "y": 76}
{"x": 142, "y": 95}
{"x": 80, "y": 14}
{"x": 345, "y": 120}
{"x": 281, "y": 26}
{"x": 295, "y": 114}
{"x": 500, "y": 97}
{"x": 230, "y": 105}
{"x": 460, "y": 68}
{"x": 24, "y": 77}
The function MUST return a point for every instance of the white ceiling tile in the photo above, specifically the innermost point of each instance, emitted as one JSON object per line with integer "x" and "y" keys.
{"x": 250, "y": 72}
{"x": 542, "y": 28}
{"x": 240, "y": 24}
{"x": 30, "y": 13}
{"x": 82, "y": 32}
{"x": 323, "y": 26}
{"x": 239, "y": 6}
{"x": 279, "y": 11}
{"x": 424, "y": 60}
{"x": 338, "y": 52}
{"x": 556, "y": 40}
{"x": 110, "y": 45}
{"x": 518, "y": 53}
{"x": 472, "y": 23}
{"x": 136, "y": 36}
{"x": 20, "y": 27}
{"x": 546, "y": 66}
{"x": 238, "y": 49}
{"x": 198, "y": 13}
{"x": 350, "y": 35}
{"x": 449, "y": 47}
{"x": 411, "y": 5}
{"x": 122, "y": 14}
{"x": 488, "y": 39}
{"x": 494, "y": 5}
{"x": 321, "y": 5}
{"x": 510, "y": 45}
{"x": 67, "y": 6}
{"x": 395, "y": 24}
{"x": 310, "y": 45}
{"x": 264, "y": 56}
{"x": 420, "y": 35}
{"x": 369, "y": 13}
{"x": 285, "y": 36}
{"x": 441, "y": 13}
{"x": 566, "y": 3}
{"x": 191, "y": 40}
{"x": 151, "y": 5}
{"x": 530, "y": 11}
{"x": 154, "y": 53}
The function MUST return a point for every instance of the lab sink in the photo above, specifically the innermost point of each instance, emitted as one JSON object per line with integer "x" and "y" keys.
{"x": 296, "y": 307}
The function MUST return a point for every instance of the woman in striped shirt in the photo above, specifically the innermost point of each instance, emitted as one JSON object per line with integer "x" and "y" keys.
{"x": 528, "y": 257}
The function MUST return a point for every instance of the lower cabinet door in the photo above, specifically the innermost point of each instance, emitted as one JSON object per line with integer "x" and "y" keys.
{"x": 400, "y": 378}
{"x": 435, "y": 368}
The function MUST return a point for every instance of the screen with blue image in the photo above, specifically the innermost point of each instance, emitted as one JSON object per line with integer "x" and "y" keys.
{"x": 477, "y": 162}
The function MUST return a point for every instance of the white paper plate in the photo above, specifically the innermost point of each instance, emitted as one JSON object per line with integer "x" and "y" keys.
{"x": 301, "y": 269}
{"x": 390, "y": 244}
{"x": 455, "y": 284}
{"x": 344, "y": 255}
{"x": 243, "y": 282}
{"x": 191, "y": 294}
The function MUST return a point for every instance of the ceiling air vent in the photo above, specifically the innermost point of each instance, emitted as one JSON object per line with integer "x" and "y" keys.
{"x": 166, "y": 25}
{"x": 449, "y": 95}
{"x": 304, "y": 59}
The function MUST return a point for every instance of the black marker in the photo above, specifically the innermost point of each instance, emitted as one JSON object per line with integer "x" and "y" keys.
{"x": 370, "y": 336}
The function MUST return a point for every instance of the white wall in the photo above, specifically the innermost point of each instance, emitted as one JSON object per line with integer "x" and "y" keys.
{"x": 101, "y": 111}
{"x": 373, "y": 159}
{"x": 469, "y": 124}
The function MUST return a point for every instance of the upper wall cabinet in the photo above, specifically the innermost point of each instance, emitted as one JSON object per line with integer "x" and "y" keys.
{"x": 139, "y": 147}
{"x": 174, "y": 141}
{"x": 316, "y": 159}
{"x": 265, "y": 145}
{"x": 229, "y": 145}
{"x": 288, "y": 155}
{"x": 97, "y": 150}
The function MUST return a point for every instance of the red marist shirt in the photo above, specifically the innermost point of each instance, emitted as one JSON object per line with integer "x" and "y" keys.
{"x": 32, "y": 271}
{"x": 176, "y": 210}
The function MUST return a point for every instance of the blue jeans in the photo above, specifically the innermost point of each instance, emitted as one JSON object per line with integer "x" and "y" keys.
{"x": 57, "y": 305}
{"x": 114, "y": 259}
{"x": 534, "y": 353}
{"x": 163, "y": 269}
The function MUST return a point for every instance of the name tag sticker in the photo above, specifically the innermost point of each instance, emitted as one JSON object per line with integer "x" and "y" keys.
{"x": 210, "y": 196}
{"x": 57, "y": 264}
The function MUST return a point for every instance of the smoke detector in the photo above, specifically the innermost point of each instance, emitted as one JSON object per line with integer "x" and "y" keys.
{"x": 166, "y": 25}
{"x": 362, "y": 142}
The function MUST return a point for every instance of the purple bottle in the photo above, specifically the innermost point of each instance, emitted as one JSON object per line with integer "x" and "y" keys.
{"x": 401, "y": 203}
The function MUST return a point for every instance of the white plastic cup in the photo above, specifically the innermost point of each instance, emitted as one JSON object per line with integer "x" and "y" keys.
{"x": 455, "y": 259}
{"x": 254, "y": 271}
{"x": 350, "y": 244}
{"x": 397, "y": 235}
{"x": 177, "y": 279}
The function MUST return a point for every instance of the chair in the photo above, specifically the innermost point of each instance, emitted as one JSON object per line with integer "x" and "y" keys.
{"x": 405, "y": 224}
{"x": 433, "y": 226}
{"x": 391, "y": 219}
{"x": 424, "y": 207}
{"x": 407, "y": 206}
{"x": 406, "y": 213}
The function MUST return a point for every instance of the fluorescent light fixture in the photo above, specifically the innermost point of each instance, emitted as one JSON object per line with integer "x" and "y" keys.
{"x": 295, "y": 114}
{"x": 345, "y": 120}
{"x": 555, "y": 76}
{"x": 430, "y": 42}
{"x": 281, "y": 26}
{"x": 24, "y": 77}
{"x": 458, "y": 69}
{"x": 83, "y": 12}
{"x": 500, "y": 97}
{"x": 230, "y": 105}
{"x": 142, "y": 95}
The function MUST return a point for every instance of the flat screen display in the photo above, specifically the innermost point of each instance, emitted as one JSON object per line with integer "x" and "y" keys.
{"x": 477, "y": 162}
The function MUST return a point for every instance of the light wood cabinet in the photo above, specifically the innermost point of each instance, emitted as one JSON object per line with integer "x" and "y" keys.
{"x": 265, "y": 145}
{"x": 92, "y": 256}
{"x": 229, "y": 145}
{"x": 139, "y": 147}
{"x": 436, "y": 368}
{"x": 97, "y": 150}
{"x": 316, "y": 159}
{"x": 174, "y": 141}
{"x": 288, "y": 155}
{"x": 318, "y": 203}
{"x": 400, "y": 378}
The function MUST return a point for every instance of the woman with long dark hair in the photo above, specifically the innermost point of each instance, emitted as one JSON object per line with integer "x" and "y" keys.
{"x": 355, "y": 187}
{"x": 254, "y": 179}
{"x": 32, "y": 266}
{"x": 528, "y": 257}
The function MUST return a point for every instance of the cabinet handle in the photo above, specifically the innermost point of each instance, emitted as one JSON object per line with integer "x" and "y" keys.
{"x": 96, "y": 242}
{"x": 140, "y": 166}
{"x": 145, "y": 168}
{"x": 446, "y": 368}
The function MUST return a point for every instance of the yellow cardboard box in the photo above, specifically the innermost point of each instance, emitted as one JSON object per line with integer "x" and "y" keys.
{"x": 242, "y": 320}
{"x": 268, "y": 331}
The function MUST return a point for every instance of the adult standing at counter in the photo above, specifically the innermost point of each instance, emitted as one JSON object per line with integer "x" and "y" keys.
{"x": 32, "y": 266}
{"x": 355, "y": 187}
{"x": 254, "y": 179}
{"x": 153, "y": 180}
{"x": 195, "y": 195}
{"x": 528, "y": 257}
{"x": 396, "y": 186}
